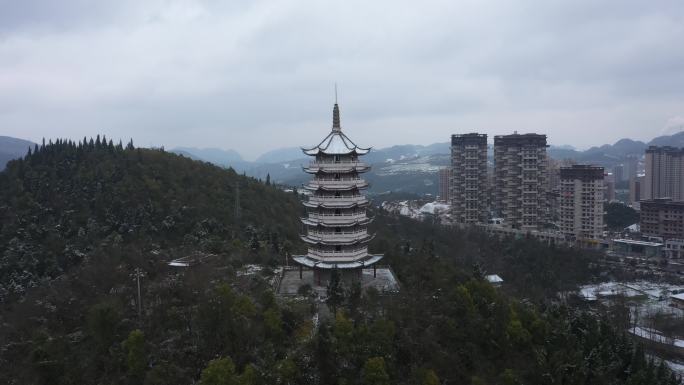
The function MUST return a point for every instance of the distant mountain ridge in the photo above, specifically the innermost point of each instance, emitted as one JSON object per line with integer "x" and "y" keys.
{"x": 12, "y": 148}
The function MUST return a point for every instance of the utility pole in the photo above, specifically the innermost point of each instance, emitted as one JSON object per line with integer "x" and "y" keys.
{"x": 137, "y": 278}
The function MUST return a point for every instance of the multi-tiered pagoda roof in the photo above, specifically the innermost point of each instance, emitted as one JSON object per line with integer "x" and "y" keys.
{"x": 336, "y": 221}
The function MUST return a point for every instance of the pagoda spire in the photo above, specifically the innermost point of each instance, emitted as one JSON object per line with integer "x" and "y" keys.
{"x": 336, "y": 118}
{"x": 336, "y": 114}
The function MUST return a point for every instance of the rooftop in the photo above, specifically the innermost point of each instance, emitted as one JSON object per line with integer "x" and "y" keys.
{"x": 336, "y": 143}
{"x": 635, "y": 242}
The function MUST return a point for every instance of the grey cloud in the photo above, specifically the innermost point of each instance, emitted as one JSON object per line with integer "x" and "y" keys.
{"x": 254, "y": 75}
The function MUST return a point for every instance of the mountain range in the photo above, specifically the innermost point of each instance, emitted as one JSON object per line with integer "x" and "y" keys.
{"x": 413, "y": 168}
{"x": 401, "y": 168}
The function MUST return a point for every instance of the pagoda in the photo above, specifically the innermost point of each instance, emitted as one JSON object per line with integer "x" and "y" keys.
{"x": 335, "y": 227}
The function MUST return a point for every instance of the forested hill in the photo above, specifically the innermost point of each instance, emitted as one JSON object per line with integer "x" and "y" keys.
{"x": 64, "y": 202}
{"x": 79, "y": 219}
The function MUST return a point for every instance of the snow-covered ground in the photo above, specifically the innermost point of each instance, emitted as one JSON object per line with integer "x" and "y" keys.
{"x": 650, "y": 290}
{"x": 654, "y": 335}
{"x": 676, "y": 367}
{"x": 248, "y": 270}
{"x": 413, "y": 209}
{"x": 646, "y": 301}
{"x": 404, "y": 165}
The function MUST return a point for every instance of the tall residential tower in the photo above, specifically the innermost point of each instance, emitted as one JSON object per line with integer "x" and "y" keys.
{"x": 581, "y": 207}
{"x": 520, "y": 189}
{"x": 469, "y": 192}
{"x": 664, "y": 173}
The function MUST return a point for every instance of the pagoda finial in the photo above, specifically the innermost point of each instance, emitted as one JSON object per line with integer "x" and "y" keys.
{"x": 336, "y": 114}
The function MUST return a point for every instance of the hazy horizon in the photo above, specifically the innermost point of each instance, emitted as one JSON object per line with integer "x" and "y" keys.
{"x": 256, "y": 76}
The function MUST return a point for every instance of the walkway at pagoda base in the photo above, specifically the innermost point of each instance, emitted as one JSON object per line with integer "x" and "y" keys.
{"x": 384, "y": 280}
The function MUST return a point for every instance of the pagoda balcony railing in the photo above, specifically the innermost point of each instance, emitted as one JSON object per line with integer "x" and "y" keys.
{"x": 351, "y": 182}
{"x": 346, "y": 235}
{"x": 332, "y": 167}
{"x": 351, "y": 254}
{"x": 340, "y": 200}
{"x": 339, "y": 180}
{"x": 347, "y": 162}
{"x": 337, "y": 218}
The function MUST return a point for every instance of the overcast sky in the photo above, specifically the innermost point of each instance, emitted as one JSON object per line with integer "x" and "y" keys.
{"x": 258, "y": 75}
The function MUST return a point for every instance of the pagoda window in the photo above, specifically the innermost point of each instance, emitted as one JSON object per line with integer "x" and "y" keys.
{"x": 337, "y": 176}
{"x": 337, "y": 194}
{"x": 337, "y": 211}
{"x": 337, "y": 159}
{"x": 338, "y": 248}
{"x": 338, "y": 230}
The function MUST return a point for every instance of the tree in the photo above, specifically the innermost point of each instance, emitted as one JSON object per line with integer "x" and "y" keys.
{"x": 273, "y": 324}
{"x": 103, "y": 320}
{"x": 249, "y": 376}
{"x": 618, "y": 216}
{"x": 374, "y": 372}
{"x": 430, "y": 378}
{"x": 335, "y": 291}
{"x": 136, "y": 360}
{"x": 220, "y": 371}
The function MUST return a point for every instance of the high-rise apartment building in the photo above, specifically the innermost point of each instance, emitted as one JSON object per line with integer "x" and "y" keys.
{"x": 662, "y": 218}
{"x": 469, "y": 187}
{"x": 581, "y": 217}
{"x": 609, "y": 187}
{"x": 636, "y": 190}
{"x": 631, "y": 167}
{"x": 664, "y": 173}
{"x": 520, "y": 180}
{"x": 445, "y": 184}
{"x": 619, "y": 173}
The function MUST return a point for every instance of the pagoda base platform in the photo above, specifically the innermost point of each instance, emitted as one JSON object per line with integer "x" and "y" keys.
{"x": 381, "y": 278}
{"x": 315, "y": 264}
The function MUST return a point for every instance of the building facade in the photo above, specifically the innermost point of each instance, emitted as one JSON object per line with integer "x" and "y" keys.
{"x": 582, "y": 194}
{"x": 636, "y": 190}
{"x": 664, "y": 168}
{"x": 336, "y": 221}
{"x": 662, "y": 218}
{"x": 609, "y": 187}
{"x": 469, "y": 187}
{"x": 631, "y": 167}
{"x": 445, "y": 185}
{"x": 619, "y": 173}
{"x": 520, "y": 189}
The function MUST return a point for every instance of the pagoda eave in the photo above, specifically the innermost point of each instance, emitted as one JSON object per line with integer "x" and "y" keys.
{"x": 322, "y": 170}
{"x": 308, "y": 261}
{"x": 351, "y": 223}
{"x": 337, "y": 242}
{"x": 359, "y": 186}
{"x": 335, "y": 206}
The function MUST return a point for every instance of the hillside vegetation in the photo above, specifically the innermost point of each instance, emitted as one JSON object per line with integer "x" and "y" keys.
{"x": 78, "y": 220}
{"x": 64, "y": 202}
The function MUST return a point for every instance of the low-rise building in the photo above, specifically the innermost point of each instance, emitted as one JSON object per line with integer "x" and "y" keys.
{"x": 634, "y": 248}
{"x": 494, "y": 279}
{"x": 674, "y": 248}
{"x": 662, "y": 218}
{"x": 677, "y": 300}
